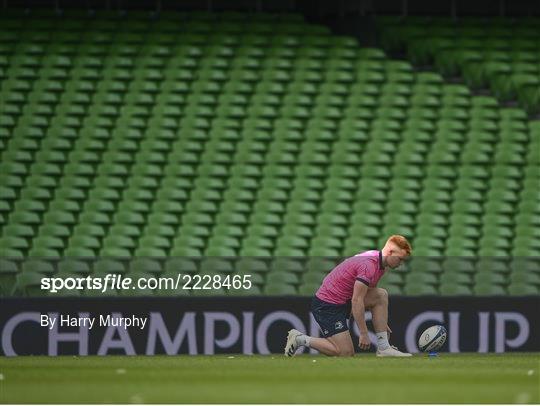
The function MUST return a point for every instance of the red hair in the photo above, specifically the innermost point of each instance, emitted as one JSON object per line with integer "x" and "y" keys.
{"x": 401, "y": 242}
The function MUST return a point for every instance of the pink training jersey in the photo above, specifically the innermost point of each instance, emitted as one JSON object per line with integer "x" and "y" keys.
{"x": 338, "y": 285}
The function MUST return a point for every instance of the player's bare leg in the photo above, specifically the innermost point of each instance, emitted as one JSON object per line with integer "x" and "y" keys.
{"x": 376, "y": 300}
{"x": 338, "y": 345}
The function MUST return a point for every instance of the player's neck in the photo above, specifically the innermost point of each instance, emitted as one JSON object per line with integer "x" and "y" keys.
{"x": 383, "y": 260}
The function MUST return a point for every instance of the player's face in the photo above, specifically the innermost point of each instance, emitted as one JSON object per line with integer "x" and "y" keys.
{"x": 396, "y": 257}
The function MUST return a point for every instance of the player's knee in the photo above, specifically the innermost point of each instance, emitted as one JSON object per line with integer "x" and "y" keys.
{"x": 382, "y": 295}
{"x": 334, "y": 352}
{"x": 346, "y": 352}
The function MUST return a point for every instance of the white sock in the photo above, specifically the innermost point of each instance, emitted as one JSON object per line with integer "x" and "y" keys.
{"x": 382, "y": 341}
{"x": 303, "y": 340}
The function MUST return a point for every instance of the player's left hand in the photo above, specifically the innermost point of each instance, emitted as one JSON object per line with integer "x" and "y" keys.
{"x": 364, "y": 342}
{"x": 389, "y": 331}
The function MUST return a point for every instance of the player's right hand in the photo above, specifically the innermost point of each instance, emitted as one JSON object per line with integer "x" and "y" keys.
{"x": 364, "y": 342}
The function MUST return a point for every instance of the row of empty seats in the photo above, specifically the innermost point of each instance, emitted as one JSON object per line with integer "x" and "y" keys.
{"x": 270, "y": 276}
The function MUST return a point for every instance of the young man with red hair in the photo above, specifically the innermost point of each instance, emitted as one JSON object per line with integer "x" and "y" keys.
{"x": 351, "y": 288}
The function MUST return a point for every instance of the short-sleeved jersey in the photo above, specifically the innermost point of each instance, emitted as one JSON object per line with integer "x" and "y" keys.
{"x": 338, "y": 286}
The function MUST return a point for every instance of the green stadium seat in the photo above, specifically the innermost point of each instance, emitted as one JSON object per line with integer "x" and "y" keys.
{"x": 522, "y": 289}
{"x": 487, "y": 289}
{"x": 454, "y": 289}
{"x": 420, "y": 290}
{"x": 29, "y": 283}
{"x": 279, "y": 289}
{"x": 8, "y": 273}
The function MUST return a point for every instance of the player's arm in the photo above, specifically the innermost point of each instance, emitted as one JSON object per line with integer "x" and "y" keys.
{"x": 358, "y": 311}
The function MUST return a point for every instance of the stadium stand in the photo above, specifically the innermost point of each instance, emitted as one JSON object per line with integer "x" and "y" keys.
{"x": 171, "y": 144}
{"x": 500, "y": 53}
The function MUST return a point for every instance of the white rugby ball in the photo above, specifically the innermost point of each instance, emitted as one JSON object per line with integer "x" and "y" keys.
{"x": 432, "y": 339}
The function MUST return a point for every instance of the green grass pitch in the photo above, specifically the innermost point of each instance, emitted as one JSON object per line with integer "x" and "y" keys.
{"x": 450, "y": 378}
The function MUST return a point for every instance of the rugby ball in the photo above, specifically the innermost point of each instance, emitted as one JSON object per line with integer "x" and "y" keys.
{"x": 432, "y": 339}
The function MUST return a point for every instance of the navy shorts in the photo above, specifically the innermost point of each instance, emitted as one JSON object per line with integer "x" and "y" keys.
{"x": 332, "y": 318}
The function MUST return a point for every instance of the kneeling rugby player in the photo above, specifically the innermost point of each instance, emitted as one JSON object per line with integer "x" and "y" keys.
{"x": 351, "y": 287}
